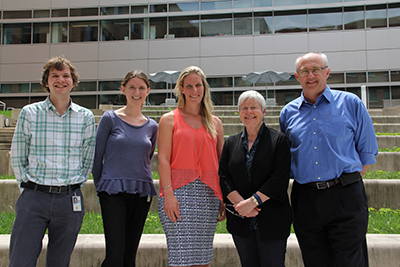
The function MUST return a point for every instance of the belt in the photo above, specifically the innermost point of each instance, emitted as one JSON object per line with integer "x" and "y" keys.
{"x": 51, "y": 189}
{"x": 344, "y": 180}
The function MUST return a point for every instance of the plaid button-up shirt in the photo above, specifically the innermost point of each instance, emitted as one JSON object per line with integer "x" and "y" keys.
{"x": 53, "y": 149}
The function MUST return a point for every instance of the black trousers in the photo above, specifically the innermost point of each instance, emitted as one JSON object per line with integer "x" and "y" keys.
{"x": 331, "y": 225}
{"x": 256, "y": 253}
{"x": 124, "y": 216}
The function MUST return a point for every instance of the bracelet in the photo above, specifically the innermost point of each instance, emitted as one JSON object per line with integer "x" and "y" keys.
{"x": 254, "y": 200}
{"x": 258, "y": 198}
{"x": 165, "y": 187}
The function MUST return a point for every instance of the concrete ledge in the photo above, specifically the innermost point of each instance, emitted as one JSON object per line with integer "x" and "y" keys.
{"x": 380, "y": 193}
{"x": 384, "y": 250}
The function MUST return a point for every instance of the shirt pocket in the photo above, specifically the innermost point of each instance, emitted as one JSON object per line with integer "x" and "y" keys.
{"x": 336, "y": 126}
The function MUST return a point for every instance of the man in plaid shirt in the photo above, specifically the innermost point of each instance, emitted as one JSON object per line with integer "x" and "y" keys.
{"x": 52, "y": 155}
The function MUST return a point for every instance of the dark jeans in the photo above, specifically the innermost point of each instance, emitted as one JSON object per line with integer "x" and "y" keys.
{"x": 124, "y": 216}
{"x": 331, "y": 225}
{"x": 256, "y": 253}
{"x": 37, "y": 211}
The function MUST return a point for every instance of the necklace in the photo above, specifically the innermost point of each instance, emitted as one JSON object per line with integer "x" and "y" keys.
{"x": 194, "y": 143}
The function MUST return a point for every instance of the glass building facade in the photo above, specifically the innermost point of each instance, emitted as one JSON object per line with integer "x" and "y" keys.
{"x": 203, "y": 25}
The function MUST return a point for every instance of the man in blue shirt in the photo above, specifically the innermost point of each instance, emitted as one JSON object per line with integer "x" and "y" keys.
{"x": 332, "y": 144}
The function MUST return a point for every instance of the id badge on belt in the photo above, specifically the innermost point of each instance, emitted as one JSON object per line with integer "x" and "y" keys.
{"x": 76, "y": 203}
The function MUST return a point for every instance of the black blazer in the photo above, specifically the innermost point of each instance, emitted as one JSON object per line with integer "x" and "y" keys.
{"x": 270, "y": 173}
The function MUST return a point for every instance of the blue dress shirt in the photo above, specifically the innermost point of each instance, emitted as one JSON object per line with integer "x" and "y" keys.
{"x": 333, "y": 136}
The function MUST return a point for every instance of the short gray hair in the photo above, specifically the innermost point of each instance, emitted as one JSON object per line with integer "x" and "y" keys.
{"x": 253, "y": 95}
{"x": 322, "y": 55}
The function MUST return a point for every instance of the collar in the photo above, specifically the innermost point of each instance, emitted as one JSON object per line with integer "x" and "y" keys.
{"x": 49, "y": 106}
{"x": 244, "y": 133}
{"x": 327, "y": 95}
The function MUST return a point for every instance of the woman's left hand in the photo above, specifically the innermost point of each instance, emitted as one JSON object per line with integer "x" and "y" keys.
{"x": 222, "y": 213}
{"x": 247, "y": 208}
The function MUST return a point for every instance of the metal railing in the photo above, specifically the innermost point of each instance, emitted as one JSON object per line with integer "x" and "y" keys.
{"x": 391, "y": 103}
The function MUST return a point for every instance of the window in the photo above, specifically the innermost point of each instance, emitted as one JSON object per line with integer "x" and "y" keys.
{"x": 336, "y": 78}
{"x": 158, "y": 8}
{"x": 262, "y": 3}
{"x": 290, "y": 21}
{"x": 216, "y": 25}
{"x": 179, "y": 7}
{"x": 41, "y": 33}
{"x": 112, "y": 30}
{"x": 111, "y": 99}
{"x": 325, "y": 19}
{"x": 15, "y": 88}
{"x": 110, "y": 85}
{"x": 376, "y": 16}
{"x": 59, "y": 32}
{"x": 323, "y": 1}
{"x": 395, "y": 76}
{"x": 215, "y": 5}
{"x": 292, "y": 81}
{"x": 394, "y": 15}
{"x": 114, "y": 10}
{"x": 184, "y": 26}
{"x": 83, "y": 31}
{"x": 41, "y": 13}
{"x": 57, "y": 13}
{"x": 242, "y": 3}
{"x": 158, "y": 28}
{"x": 377, "y": 95}
{"x": 243, "y": 23}
{"x": 37, "y": 88}
{"x": 222, "y": 98}
{"x": 17, "y": 33}
{"x": 289, "y": 2}
{"x": 356, "y": 77}
{"x": 263, "y": 23}
{"x": 139, "y": 9}
{"x": 25, "y": 14}
{"x": 76, "y": 12}
{"x": 87, "y": 101}
{"x": 139, "y": 29}
{"x": 85, "y": 86}
{"x": 354, "y": 17}
{"x": 156, "y": 99}
{"x": 220, "y": 82}
{"x": 240, "y": 83}
{"x": 382, "y": 76}
{"x": 395, "y": 92}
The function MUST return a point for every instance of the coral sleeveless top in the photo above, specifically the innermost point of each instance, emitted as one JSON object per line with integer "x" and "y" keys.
{"x": 193, "y": 155}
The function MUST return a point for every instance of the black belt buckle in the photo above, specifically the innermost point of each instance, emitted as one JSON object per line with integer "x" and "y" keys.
{"x": 57, "y": 191}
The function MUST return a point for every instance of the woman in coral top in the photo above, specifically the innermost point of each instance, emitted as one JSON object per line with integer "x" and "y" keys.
{"x": 189, "y": 147}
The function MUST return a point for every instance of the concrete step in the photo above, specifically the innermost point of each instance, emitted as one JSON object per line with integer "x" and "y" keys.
{"x": 383, "y": 250}
{"x": 380, "y": 193}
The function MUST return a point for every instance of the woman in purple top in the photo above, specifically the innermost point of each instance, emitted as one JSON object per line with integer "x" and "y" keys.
{"x": 125, "y": 143}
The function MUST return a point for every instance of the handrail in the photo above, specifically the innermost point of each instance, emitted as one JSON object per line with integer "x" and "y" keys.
{"x": 3, "y": 104}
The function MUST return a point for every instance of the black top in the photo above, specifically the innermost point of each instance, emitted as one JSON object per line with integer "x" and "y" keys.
{"x": 270, "y": 172}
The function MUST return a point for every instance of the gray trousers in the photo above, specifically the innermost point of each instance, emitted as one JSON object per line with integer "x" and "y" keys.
{"x": 37, "y": 211}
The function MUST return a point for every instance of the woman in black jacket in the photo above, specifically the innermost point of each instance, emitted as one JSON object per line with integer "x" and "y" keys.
{"x": 254, "y": 175}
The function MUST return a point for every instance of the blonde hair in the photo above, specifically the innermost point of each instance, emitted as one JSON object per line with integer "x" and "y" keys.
{"x": 206, "y": 106}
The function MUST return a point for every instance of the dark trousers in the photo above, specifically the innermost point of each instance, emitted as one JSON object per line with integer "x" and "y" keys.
{"x": 124, "y": 216}
{"x": 37, "y": 211}
{"x": 331, "y": 225}
{"x": 256, "y": 253}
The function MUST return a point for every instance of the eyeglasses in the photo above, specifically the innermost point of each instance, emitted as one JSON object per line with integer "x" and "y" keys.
{"x": 315, "y": 71}
{"x": 231, "y": 210}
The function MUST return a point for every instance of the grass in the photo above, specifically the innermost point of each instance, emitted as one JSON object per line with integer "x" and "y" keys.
{"x": 394, "y": 149}
{"x": 378, "y": 133}
{"x": 6, "y": 112}
{"x": 382, "y": 221}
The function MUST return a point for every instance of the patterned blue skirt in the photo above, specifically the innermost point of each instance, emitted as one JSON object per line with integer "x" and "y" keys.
{"x": 190, "y": 241}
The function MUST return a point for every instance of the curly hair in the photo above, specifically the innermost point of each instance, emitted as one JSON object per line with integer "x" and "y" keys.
{"x": 58, "y": 63}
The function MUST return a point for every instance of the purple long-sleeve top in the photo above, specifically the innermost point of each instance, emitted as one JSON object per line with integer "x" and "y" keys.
{"x": 123, "y": 155}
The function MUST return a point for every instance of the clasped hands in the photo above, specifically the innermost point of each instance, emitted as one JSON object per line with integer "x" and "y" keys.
{"x": 247, "y": 208}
